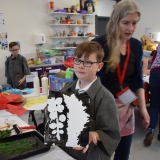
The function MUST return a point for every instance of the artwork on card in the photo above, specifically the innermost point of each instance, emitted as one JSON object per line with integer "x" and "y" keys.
{"x": 67, "y": 119}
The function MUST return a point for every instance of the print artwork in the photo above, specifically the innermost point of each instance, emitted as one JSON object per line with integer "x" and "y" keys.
{"x": 67, "y": 119}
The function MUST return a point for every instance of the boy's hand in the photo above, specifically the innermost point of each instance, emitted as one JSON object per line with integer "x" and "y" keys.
{"x": 21, "y": 81}
{"x": 93, "y": 137}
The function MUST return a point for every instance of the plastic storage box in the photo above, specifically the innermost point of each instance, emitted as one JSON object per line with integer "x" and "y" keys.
{"x": 56, "y": 83}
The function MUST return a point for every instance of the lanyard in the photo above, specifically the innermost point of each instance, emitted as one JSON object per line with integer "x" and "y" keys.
{"x": 122, "y": 75}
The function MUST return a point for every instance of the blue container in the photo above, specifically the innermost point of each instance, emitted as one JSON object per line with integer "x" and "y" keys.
{"x": 6, "y": 87}
{"x": 56, "y": 83}
{"x": 14, "y": 91}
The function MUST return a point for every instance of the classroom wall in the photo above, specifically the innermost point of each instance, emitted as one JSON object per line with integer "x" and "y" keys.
{"x": 105, "y": 7}
{"x": 150, "y": 10}
{"x": 150, "y": 14}
{"x": 24, "y": 18}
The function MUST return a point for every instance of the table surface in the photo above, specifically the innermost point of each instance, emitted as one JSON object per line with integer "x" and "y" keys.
{"x": 55, "y": 153}
{"x": 35, "y": 107}
{"x": 13, "y": 119}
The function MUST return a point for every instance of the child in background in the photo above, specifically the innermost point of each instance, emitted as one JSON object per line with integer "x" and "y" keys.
{"x": 16, "y": 67}
{"x": 104, "y": 133}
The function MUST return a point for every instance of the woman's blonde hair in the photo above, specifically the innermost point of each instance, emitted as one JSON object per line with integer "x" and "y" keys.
{"x": 120, "y": 10}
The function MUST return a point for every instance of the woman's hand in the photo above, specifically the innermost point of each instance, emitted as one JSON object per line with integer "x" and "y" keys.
{"x": 142, "y": 108}
{"x": 145, "y": 118}
{"x": 148, "y": 72}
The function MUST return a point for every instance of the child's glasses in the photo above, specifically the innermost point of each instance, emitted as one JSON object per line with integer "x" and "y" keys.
{"x": 85, "y": 63}
{"x": 14, "y": 50}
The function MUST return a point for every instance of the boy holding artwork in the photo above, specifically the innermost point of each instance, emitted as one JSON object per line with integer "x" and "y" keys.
{"x": 104, "y": 135}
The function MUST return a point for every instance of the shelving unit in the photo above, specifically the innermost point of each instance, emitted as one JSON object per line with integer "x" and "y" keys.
{"x": 66, "y": 13}
{"x": 84, "y": 28}
{"x": 64, "y": 48}
{"x": 68, "y": 37}
{"x": 83, "y": 25}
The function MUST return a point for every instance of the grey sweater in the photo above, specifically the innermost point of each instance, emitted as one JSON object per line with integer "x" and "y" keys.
{"x": 105, "y": 122}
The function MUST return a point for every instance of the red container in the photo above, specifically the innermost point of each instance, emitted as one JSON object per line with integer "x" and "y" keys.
{"x": 51, "y": 5}
{"x": 68, "y": 21}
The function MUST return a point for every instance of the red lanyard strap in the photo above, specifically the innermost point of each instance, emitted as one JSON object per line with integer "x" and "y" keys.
{"x": 122, "y": 75}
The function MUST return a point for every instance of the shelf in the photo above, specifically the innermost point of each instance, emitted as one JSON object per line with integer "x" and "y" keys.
{"x": 71, "y": 25}
{"x": 44, "y": 65}
{"x": 66, "y": 13}
{"x": 52, "y": 37}
{"x": 64, "y": 48}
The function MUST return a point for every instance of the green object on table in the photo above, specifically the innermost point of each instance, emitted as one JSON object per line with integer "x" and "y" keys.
{"x": 15, "y": 147}
{"x": 5, "y": 133}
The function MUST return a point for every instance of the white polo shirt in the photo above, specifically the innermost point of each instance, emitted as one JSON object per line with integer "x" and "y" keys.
{"x": 80, "y": 90}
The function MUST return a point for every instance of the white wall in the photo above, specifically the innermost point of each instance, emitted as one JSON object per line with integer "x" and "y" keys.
{"x": 150, "y": 10}
{"x": 24, "y": 18}
{"x": 105, "y": 7}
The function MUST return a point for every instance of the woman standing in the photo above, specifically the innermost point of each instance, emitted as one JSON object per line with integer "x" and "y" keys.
{"x": 123, "y": 68}
{"x": 154, "y": 84}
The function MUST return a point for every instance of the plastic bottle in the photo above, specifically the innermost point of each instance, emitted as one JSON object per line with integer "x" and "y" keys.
{"x": 36, "y": 86}
{"x": 51, "y": 6}
{"x": 89, "y": 8}
{"x": 44, "y": 85}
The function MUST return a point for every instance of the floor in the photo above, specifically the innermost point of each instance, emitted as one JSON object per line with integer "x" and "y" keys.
{"x": 138, "y": 150}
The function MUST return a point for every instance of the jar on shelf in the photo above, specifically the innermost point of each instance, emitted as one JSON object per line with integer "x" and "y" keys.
{"x": 62, "y": 44}
{"x": 89, "y": 8}
{"x": 61, "y": 33}
{"x": 57, "y": 33}
{"x": 72, "y": 33}
{"x": 64, "y": 33}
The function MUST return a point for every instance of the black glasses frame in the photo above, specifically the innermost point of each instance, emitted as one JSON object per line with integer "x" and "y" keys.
{"x": 84, "y": 62}
{"x": 15, "y": 50}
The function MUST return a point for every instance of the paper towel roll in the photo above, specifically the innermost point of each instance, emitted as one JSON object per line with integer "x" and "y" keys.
{"x": 39, "y": 39}
{"x": 155, "y": 36}
{"x": 36, "y": 86}
{"x": 44, "y": 85}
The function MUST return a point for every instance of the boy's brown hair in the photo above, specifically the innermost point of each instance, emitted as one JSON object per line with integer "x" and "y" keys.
{"x": 88, "y": 48}
{"x": 13, "y": 44}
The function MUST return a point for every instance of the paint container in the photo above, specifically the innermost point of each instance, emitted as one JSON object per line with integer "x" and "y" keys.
{"x": 44, "y": 85}
{"x": 36, "y": 86}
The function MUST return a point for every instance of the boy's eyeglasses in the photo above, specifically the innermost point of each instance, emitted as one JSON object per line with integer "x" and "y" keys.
{"x": 14, "y": 50}
{"x": 85, "y": 63}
